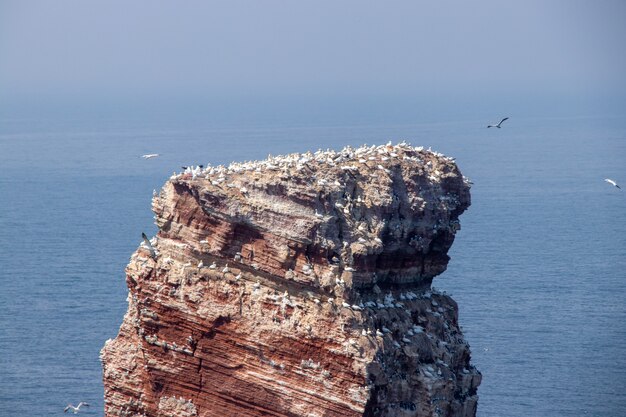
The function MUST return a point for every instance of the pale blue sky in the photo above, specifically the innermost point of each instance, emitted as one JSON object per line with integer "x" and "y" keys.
{"x": 311, "y": 47}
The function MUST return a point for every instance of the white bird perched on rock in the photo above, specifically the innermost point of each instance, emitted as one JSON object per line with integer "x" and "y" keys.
{"x": 226, "y": 269}
{"x": 150, "y": 155}
{"x": 498, "y": 125}
{"x": 613, "y": 183}
{"x": 76, "y": 409}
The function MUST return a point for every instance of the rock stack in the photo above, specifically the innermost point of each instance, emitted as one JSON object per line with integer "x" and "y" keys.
{"x": 297, "y": 286}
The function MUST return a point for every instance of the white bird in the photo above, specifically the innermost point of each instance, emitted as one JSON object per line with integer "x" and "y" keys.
{"x": 149, "y": 246}
{"x": 150, "y": 155}
{"x": 498, "y": 125}
{"x": 613, "y": 183}
{"x": 75, "y": 409}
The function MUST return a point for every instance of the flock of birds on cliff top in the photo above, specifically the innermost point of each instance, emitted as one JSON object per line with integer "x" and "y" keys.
{"x": 299, "y": 160}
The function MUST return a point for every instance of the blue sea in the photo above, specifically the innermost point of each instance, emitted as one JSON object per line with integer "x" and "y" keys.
{"x": 538, "y": 269}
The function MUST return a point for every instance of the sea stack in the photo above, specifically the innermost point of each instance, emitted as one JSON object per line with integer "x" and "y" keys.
{"x": 297, "y": 286}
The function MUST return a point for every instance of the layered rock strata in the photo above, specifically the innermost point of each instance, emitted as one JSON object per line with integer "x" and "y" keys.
{"x": 297, "y": 286}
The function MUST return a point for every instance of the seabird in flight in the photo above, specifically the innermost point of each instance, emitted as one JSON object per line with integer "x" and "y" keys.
{"x": 150, "y": 155}
{"x": 613, "y": 183}
{"x": 498, "y": 125}
{"x": 148, "y": 245}
{"x": 75, "y": 409}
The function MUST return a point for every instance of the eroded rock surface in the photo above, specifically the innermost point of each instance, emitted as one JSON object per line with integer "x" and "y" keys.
{"x": 297, "y": 286}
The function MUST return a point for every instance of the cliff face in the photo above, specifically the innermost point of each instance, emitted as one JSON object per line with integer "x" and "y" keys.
{"x": 297, "y": 286}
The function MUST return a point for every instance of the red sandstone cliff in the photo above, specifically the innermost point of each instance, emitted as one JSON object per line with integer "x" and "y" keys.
{"x": 297, "y": 286}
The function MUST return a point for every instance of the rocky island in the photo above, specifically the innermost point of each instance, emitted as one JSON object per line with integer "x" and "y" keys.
{"x": 297, "y": 286}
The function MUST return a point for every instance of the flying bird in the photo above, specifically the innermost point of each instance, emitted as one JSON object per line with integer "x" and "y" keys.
{"x": 148, "y": 245}
{"x": 613, "y": 183}
{"x": 76, "y": 409}
{"x": 150, "y": 155}
{"x": 498, "y": 125}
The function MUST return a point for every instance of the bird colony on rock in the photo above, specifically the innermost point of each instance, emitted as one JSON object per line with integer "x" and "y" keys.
{"x": 297, "y": 286}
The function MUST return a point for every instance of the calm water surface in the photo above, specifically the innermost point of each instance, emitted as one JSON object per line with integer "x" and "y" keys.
{"x": 538, "y": 269}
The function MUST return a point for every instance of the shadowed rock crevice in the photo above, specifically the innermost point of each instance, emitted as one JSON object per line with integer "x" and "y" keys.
{"x": 297, "y": 286}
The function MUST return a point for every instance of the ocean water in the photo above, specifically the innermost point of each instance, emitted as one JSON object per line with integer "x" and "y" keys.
{"x": 538, "y": 269}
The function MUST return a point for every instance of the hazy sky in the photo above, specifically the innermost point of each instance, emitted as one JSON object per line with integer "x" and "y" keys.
{"x": 322, "y": 47}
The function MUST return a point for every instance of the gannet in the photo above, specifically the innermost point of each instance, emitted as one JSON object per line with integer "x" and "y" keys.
{"x": 150, "y": 155}
{"x": 148, "y": 245}
{"x": 498, "y": 125}
{"x": 613, "y": 183}
{"x": 75, "y": 409}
